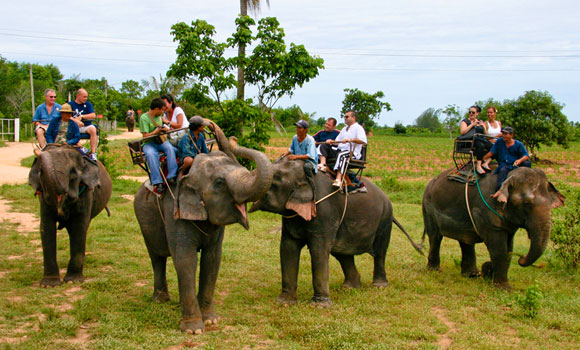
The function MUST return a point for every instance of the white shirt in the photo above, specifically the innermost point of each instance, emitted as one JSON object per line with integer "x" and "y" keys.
{"x": 493, "y": 132}
{"x": 355, "y": 131}
{"x": 177, "y": 111}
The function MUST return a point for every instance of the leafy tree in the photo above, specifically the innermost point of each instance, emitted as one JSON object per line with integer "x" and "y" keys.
{"x": 366, "y": 106}
{"x": 165, "y": 85}
{"x": 537, "y": 119}
{"x": 400, "y": 128}
{"x": 429, "y": 119}
{"x": 452, "y": 119}
{"x": 19, "y": 100}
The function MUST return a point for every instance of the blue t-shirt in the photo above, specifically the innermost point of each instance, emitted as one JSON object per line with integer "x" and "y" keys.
{"x": 324, "y": 135}
{"x": 41, "y": 115}
{"x": 508, "y": 155}
{"x": 307, "y": 147}
{"x": 82, "y": 109}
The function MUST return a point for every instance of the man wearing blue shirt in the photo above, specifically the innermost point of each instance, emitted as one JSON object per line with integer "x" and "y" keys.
{"x": 303, "y": 147}
{"x": 84, "y": 114}
{"x": 192, "y": 143}
{"x": 510, "y": 154}
{"x": 44, "y": 114}
{"x": 328, "y": 133}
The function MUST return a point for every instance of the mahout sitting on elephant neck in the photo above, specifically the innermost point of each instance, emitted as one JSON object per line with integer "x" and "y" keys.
{"x": 71, "y": 191}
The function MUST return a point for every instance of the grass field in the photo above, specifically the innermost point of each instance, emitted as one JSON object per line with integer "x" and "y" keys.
{"x": 420, "y": 309}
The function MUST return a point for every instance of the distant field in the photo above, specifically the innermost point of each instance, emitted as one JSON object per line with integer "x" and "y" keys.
{"x": 419, "y": 310}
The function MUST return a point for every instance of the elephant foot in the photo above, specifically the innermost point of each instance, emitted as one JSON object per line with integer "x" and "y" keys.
{"x": 351, "y": 284}
{"x": 322, "y": 302}
{"x": 161, "y": 296}
{"x": 434, "y": 268}
{"x": 381, "y": 284}
{"x": 74, "y": 278}
{"x": 192, "y": 325}
{"x": 487, "y": 270}
{"x": 286, "y": 299}
{"x": 50, "y": 281}
{"x": 471, "y": 274}
{"x": 209, "y": 317}
{"x": 502, "y": 285}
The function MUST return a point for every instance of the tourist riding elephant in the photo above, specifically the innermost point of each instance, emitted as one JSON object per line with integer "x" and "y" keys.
{"x": 526, "y": 201}
{"x": 72, "y": 190}
{"x": 365, "y": 228}
{"x": 130, "y": 122}
{"x": 213, "y": 194}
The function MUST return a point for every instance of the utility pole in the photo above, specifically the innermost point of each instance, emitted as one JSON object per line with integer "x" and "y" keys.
{"x": 31, "y": 88}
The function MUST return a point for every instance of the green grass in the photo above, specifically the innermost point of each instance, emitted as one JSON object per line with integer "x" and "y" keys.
{"x": 113, "y": 308}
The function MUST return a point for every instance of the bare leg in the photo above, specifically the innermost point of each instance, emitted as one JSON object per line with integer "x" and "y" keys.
{"x": 40, "y": 137}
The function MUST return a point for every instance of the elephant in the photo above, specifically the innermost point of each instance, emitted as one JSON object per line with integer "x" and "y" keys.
{"x": 72, "y": 190}
{"x": 130, "y": 122}
{"x": 525, "y": 201}
{"x": 365, "y": 228}
{"x": 211, "y": 195}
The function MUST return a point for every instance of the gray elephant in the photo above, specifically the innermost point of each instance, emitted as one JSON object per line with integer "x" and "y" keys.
{"x": 365, "y": 228}
{"x": 526, "y": 201}
{"x": 72, "y": 190}
{"x": 213, "y": 194}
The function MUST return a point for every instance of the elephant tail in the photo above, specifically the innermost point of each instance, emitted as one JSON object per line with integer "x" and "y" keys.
{"x": 108, "y": 211}
{"x": 417, "y": 247}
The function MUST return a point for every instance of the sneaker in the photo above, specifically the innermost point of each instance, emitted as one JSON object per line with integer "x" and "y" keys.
{"x": 337, "y": 183}
{"x": 322, "y": 167}
{"x": 93, "y": 156}
{"x": 159, "y": 188}
{"x": 171, "y": 182}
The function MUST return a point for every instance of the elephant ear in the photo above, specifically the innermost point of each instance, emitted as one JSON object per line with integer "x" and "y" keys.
{"x": 301, "y": 201}
{"x": 188, "y": 204}
{"x": 504, "y": 191}
{"x": 90, "y": 173}
{"x": 555, "y": 196}
{"x": 34, "y": 176}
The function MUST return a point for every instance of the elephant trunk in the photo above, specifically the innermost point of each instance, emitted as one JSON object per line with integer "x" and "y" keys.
{"x": 255, "y": 184}
{"x": 539, "y": 237}
{"x": 221, "y": 139}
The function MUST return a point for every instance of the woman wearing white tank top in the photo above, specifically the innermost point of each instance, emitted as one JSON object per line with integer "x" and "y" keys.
{"x": 493, "y": 131}
{"x": 175, "y": 117}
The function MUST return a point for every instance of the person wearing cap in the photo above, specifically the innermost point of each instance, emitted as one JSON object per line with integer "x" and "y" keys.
{"x": 44, "y": 114}
{"x": 193, "y": 143}
{"x": 151, "y": 125}
{"x": 353, "y": 134}
{"x": 303, "y": 147}
{"x": 510, "y": 154}
{"x": 63, "y": 129}
{"x": 84, "y": 114}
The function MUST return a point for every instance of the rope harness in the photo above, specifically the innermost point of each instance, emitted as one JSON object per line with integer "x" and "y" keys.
{"x": 163, "y": 217}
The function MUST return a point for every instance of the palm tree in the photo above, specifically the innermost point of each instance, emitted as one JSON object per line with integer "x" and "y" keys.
{"x": 254, "y": 6}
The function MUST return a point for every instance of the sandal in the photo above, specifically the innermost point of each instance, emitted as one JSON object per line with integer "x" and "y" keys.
{"x": 337, "y": 183}
{"x": 487, "y": 170}
{"x": 322, "y": 167}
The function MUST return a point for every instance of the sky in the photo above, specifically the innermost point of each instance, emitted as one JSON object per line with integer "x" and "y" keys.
{"x": 420, "y": 53}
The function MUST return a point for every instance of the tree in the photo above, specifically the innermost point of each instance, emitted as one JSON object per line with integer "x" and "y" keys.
{"x": 366, "y": 106}
{"x": 429, "y": 119}
{"x": 245, "y": 37}
{"x": 537, "y": 119}
{"x": 451, "y": 122}
{"x": 19, "y": 99}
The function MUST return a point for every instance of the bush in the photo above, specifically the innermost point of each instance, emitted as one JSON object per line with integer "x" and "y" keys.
{"x": 565, "y": 231}
{"x": 531, "y": 301}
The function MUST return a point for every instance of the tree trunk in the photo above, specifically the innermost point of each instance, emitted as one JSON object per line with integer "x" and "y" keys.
{"x": 241, "y": 53}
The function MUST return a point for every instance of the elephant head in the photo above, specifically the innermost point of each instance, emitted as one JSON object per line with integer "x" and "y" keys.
{"x": 59, "y": 173}
{"x": 290, "y": 191}
{"x": 217, "y": 187}
{"x": 528, "y": 198}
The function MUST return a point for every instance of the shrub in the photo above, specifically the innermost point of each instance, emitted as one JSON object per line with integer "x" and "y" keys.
{"x": 565, "y": 235}
{"x": 531, "y": 301}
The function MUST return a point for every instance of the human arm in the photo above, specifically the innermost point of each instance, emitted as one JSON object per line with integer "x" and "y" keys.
{"x": 37, "y": 116}
{"x": 523, "y": 153}
{"x": 73, "y": 134}
{"x": 52, "y": 130}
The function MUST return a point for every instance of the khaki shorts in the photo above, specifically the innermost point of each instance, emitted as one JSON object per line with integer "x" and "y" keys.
{"x": 41, "y": 126}
{"x": 83, "y": 129}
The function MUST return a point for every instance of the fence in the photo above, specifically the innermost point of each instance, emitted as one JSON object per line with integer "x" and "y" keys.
{"x": 10, "y": 129}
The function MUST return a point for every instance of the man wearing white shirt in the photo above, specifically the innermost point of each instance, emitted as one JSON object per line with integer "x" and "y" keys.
{"x": 352, "y": 135}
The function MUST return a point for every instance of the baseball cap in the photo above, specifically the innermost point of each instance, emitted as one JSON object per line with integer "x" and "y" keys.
{"x": 302, "y": 123}
{"x": 507, "y": 130}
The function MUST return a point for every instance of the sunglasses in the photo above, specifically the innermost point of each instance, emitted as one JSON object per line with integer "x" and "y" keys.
{"x": 51, "y": 96}
{"x": 471, "y": 112}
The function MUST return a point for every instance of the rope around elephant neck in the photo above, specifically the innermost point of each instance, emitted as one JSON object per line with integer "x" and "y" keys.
{"x": 322, "y": 199}
{"x": 483, "y": 199}
{"x": 163, "y": 217}
{"x": 466, "y": 194}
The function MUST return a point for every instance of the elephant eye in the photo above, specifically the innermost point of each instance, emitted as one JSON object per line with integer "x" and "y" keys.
{"x": 219, "y": 182}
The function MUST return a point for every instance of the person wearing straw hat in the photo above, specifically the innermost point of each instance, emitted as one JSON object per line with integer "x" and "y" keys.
{"x": 63, "y": 129}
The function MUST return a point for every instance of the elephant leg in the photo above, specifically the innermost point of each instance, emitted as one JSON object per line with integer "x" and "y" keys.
{"x": 51, "y": 275}
{"x": 319, "y": 256}
{"x": 185, "y": 261}
{"x": 434, "y": 260}
{"x": 380, "y": 247}
{"x": 208, "y": 272}
{"x": 77, "y": 232}
{"x": 468, "y": 260}
{"x": 289, "y": 261}
{"x": 160, "y": 292}
{"x": 351, "y": 275}
{"x": 500, "y": 261}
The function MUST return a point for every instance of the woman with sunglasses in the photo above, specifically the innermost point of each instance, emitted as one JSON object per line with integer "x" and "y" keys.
{"x": 469, "y": 128}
